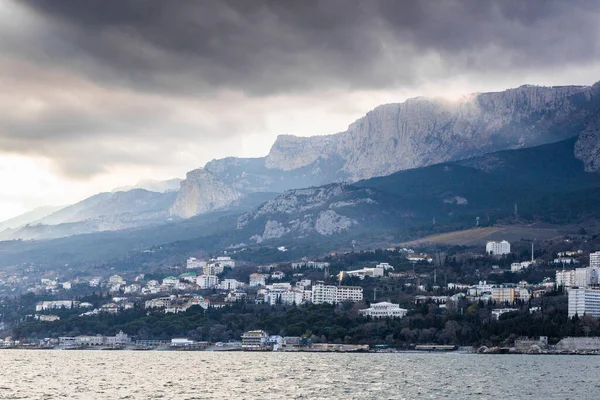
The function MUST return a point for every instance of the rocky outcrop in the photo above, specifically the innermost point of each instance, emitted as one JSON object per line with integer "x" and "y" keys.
{"x": 294, "y": 202}
{"x": 201, "y": 192}
{"x": 330, "y": 222}
{"x": 587, "y": 147}
{"x": 303, "y": 212}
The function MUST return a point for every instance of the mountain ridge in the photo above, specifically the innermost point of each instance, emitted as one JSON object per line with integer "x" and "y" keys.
{"x": 392, "y": 137}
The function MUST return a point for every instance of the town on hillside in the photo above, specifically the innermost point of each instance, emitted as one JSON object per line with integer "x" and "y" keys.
{"x": 394, "y": 298}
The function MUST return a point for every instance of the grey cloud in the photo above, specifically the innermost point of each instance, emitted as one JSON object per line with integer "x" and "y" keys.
{"x": 85, "y": 129}
{"x": 264, "y": 47}
{"x": 91, "y": 84}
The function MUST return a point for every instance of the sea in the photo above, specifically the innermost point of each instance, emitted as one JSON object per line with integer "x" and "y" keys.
{"x": 74, "y": 374}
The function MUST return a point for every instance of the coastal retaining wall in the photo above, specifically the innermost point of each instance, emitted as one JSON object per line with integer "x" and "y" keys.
{"x": 579, "y": 343}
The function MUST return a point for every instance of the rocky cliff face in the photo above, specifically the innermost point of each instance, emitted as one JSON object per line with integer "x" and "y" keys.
{"x": 421, "y": 132}
{"x": 587, "y": 147}
{"x": 202, "y": 192}
{"x": 303, "y": 212}
{"x": 417, "y": 133}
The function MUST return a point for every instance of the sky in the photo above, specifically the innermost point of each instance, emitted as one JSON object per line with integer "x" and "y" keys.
{"x": 98, "y": 94}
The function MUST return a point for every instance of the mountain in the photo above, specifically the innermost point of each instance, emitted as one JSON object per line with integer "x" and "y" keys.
{"x": 546, "y": 182}
{"x": 200, "y": 193}
{"x": 28, "y": 217}
{"x": 101, "y": 212}
{"x": 152, "y": 185}
{"x": 417, "y": 133}
{"x": 394, "y": 137}
{"x": 587, "y": 148}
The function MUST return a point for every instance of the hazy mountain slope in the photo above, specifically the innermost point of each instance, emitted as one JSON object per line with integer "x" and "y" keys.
{"x": 101, "y": 212}
{"x": 132, "y": 202}
{"x": 28, "y": 217}
{"x": 153, "y": 185}
{"x": 547, "y": 181}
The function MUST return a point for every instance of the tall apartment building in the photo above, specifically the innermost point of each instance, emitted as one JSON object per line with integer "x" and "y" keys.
{"x": 584, "y": 302}
{"x": 578, "y": 277}
{"x": 497, "y": 248}
{"x": 332, "y": 294}
{"x": 207, "y": 281}
{"x": 595, "y": 259}
{"x": 565, "y": 278}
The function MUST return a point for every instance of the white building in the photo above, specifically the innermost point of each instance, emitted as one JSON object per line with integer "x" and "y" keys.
{"x": 280, "y": 286}
{"x": 322, "y": 293}
{"x": 188, "y": 277}
{"x": 518, "y": 266}
{"x": 565, "y": 260}
{"x": 310, "y": 264}
{"x": 255, "y": 340}
{"x": 303, "y": 283}
{"x": 565, "y": 278}
{"x": 193, "y": 263}
{"x": 170, "y": 281}
{"x": 290, "y": 297}
{"x": 47, "y": 318}
{"x": 385, "y": 266}
{"x": 497, "y": 312}
{"x": 213, "y": 268}
{"x": 595, "y": 259}
{"x": 94, "y": 282}
{"x": 223, "y": 261}
{"x": 376, "y": 272}
{"x": 584, "y": 302}
{"x": 278, "y": 275}
{"x": 384, "y": 310}
{"x": 480, "y": 288}
{"x": 116, "y": 280}
{"x": 578, "y": 277}
{"x": 458, "y": 286}
{"x": 235, "y": 295}
{"x": 257, "y": 280}
{"x": 497, "y": 248}
{"x": 50, "y": 305}
{"x": 332, "y": 294}
{"x": 230, "y": 284}
{"x": 207, "y": 281}
{"x": 160, "y": 302}
{"x": 415, "y": 258}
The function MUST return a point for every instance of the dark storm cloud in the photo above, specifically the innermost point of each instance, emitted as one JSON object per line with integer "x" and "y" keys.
{"x": 94, "y": 84}
{"x": 263, "y": 47}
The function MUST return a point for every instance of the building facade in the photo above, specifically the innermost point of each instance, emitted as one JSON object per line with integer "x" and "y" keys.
{"x": 257, "y": 280}
{"x": 584, "y": 302}
{"x": 503, "y": 294}
{"x": 384, "y": 310}
{"x": 322, "y": 293}
{"x": 595, "y": 259}
{"x": 255, "y": 340}
{"x": 497, "y": 248}
{"x": 207, "y": 281}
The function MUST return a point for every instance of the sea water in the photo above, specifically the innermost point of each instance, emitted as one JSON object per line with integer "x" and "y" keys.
{"x": 33, "y": 374}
